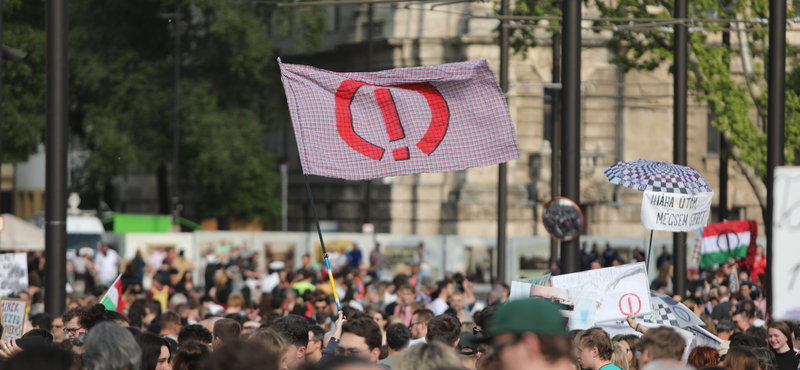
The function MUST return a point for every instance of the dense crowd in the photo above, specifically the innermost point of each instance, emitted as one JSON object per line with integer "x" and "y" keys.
{"x": 244, "y": 317}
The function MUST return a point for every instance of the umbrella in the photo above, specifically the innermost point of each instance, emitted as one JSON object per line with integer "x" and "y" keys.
{"x": 658, "y": 176}
{"x": 666, "y": 311}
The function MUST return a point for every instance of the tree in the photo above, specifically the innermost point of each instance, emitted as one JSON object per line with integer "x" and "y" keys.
{"x": 24, "y": 82}
{"x": 730, "y": 100}
{"x": 121, "y": 64}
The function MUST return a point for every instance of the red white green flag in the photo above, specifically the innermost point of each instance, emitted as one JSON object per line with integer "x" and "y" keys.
{"x": 727, "y": 240}
{"x": 113, "y": 299}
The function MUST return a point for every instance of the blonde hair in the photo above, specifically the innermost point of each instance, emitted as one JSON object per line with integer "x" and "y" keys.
{"x": 271, "y": 340}
{"x": 428, "y": 356}
{"x": 619, "y": 357}
{"x": 236, "y": 300}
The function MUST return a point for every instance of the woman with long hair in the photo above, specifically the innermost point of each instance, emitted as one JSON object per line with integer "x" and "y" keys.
{"x": 619, "y": 356}
{"x": 155, "y": 352}
{"x": 191, "y": 356}
{"x": 702, "y": 356}
{"x": 631, "y": 343}
{"x": 779, "y": 338}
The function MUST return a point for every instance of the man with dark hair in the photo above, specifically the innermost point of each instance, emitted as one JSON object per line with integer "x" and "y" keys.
{"x": 661, "y": 343}
{"x": 196, "y": 333}
{"x": 170, "y": 325}
{"x": 225, "y": 330}
{"x": 397, "y": 339}
{"x": 723, "y": 309}
{"x": 594, "y": 350}
{"x": 243, "y": 355}
{"x": 444, "y": 328}
{"x": 419, "y": 325}
{"x": 468, "y": 351}
{"x": 361, "y": 337}
{"x": 42, "y": 321}
{"x": 316, "y": 334}
{"x": 294, "y": 330}
{"x": 742, "y": 319}
{"x": 725, "y": 329}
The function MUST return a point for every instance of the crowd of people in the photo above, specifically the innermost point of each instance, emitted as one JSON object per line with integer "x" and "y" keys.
{"x": 283, "y": 318}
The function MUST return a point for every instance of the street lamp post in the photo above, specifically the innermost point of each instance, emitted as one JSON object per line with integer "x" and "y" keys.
{"x": 176, "y": 112}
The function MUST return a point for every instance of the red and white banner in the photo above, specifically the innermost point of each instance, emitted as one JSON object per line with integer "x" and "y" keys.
{"x": 359, "y": 126}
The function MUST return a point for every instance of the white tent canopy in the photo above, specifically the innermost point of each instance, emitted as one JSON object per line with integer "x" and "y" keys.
{"x": 21, "y": 235}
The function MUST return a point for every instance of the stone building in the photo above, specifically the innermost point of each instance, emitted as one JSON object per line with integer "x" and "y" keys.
{"x": 624, "y": 116}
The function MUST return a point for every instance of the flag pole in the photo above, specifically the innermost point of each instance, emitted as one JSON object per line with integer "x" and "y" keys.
{"x": 649, "y": 252}
{"x": 322, "y": 243}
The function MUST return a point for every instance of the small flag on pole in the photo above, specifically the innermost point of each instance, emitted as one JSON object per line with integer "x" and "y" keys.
{"x": 113, "y": 300}
{"x": 727, "y": 240}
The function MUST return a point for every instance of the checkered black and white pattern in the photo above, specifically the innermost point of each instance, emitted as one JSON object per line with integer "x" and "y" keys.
{"x": 661, "y": 315}
{"x": 359, "y": 126}
{"x": 663, "y": 177}
{"x": 666, "y": 311}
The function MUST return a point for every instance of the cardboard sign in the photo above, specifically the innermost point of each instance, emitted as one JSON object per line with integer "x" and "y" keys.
{"x": 785, "y": 234}
{"x": 13, "y": 274}
{"x": 579, "y": 306}
{"x": 13, "y": 317}
{"x": 622, "y": 290}
{"x": 675, "y": 212}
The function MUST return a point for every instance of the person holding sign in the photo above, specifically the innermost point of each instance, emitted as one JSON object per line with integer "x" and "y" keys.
{"x": 594, "y": 350}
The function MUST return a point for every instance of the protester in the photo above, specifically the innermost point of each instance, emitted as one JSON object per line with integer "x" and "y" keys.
{"x": 782, "y": 346}
{"x": 742, "y": 358}
{"x": 703, "y": 356}
{"x": 468, "y": 351}
{"x": 766, "y": 359}
{"x": 397, "y": 339}
{"x": 294, "y": 330}
{"x": 419, "y": 325}
{"x": 191, "y": 356}
{"x": 361, "y": 337}
{"x": 443, "y": 292}
{"x": 619, "y": 357}
{"x": 196, "y": 333}
{"x": 111, "y": 347}
{"x": 225, "y": 330}
{"x": 444, "y": 328}
{"x": 106, "y": 264}
{"x": 239, "y": 354}
{"x": 594, "y": 350}
{"x": 428, "y": 356}
{"x": 155, "y": 352}
{"x": 631, "y": 345}
{"x": 661, "y": 343}
{"x": 316, "y": 334}
{"x": 723, "y": 309}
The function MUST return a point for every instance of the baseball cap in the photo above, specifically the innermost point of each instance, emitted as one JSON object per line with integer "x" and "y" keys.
{"x": 527, "y": 316}
{"x": 467, "y": 344}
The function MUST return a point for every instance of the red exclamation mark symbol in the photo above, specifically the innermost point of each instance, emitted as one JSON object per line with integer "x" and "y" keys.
{"x": 630, "y": 306}
{"x": 392, "y": 121}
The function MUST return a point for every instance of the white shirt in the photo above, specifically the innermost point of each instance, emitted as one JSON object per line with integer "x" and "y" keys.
{"x": 156, "y": 259}
{"x": 107, "y": 266}
{"x": 416, "y": 341}
{"x": 270, "y": 282}
{"x": 438, "y": 306}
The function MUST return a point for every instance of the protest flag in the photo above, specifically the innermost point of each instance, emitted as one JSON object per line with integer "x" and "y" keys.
{"x": 113, "y": 300}
{"x": 360, "y": 126}
{"x": 728, "y": 240}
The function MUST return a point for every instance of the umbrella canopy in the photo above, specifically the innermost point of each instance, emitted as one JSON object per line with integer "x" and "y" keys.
{"x": 663, "y": 177}
{"x": 666, "y": 311}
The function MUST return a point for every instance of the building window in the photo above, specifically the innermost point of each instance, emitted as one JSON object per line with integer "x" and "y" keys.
{"x": 712, "y": 141}
{"x": 548, "y": 115}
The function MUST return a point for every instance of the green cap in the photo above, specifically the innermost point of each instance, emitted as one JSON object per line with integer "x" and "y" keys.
{"x": 536, "y": 316}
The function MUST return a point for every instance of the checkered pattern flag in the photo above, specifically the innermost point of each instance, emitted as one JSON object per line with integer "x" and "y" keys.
{"x": 359, "y": 126}
{"x": 666, "y": 311}
{"x": 663, "y": 177}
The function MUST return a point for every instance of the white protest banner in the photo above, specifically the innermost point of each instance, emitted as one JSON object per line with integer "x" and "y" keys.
{"x": 785, "y": 234}
{"x": 622, "y": 290}
{"x": 13, "y": 274}
{"x": 579, "y": 306}
{"x": 13, "y": 317}
{"x": 675, "y": 212}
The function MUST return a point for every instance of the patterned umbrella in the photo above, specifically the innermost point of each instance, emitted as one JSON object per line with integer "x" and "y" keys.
{"x": 664, "y": 177}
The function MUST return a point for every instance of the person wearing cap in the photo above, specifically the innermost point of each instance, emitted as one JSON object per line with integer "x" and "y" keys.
{"x": 529, "y": 334}
{"x": 594, "y": 350}
{"x": 272, "y": 280}
{"x": 468, "y": 350}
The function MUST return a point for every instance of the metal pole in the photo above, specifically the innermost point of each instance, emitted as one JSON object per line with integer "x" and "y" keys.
{"x": 502, "y": 177}
{"x": 56, "y": 159}
{"x": 723, "y": 156}
{"x": 555, "y": 102}
{"x": 571, "y": 122}
{"x": 176, "y": 115}
{"x": 2, "y": 64}
{"x": 680, "y": 52}
{"x": 284, "y": 197}
{"x": 776, "y": 115}
{"x": 370, "y": 20}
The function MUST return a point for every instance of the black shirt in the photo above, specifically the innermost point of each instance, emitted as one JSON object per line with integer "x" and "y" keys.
{"x": 787, "y": 360}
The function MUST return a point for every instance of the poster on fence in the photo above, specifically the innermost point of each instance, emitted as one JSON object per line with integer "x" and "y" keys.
{"x": 785, "y": 234}
{"x": 622, "y": 290}
{"x": 577, "y": 306}
{"x": 13, "y": 311}
{"x": 13, "y": 274}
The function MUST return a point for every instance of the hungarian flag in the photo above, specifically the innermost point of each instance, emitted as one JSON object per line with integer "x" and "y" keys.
{"x": 113, "y": 300}
{"x": 727, "y": 240}
{"x": 359, "y": 126}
